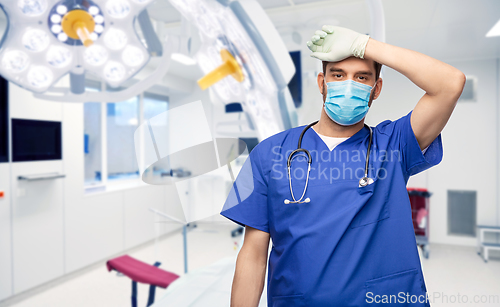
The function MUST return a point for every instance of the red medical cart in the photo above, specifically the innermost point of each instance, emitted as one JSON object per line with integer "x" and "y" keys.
{"x": 419, "y": 199}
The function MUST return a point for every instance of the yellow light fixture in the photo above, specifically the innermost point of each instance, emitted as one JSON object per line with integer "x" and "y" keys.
{"x": 78, "y": 24}
{"x": 229, "y": 67}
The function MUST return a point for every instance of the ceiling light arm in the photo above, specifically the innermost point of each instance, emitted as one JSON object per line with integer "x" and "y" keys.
{"x": 377, "y": 18}
{"x": 152, "y": 41}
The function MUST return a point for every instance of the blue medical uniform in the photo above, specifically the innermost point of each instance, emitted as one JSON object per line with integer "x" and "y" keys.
{"x": 350, "y": 245}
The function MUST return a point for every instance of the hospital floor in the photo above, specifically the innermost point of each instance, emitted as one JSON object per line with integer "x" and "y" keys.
{"x": 450, "y": 271}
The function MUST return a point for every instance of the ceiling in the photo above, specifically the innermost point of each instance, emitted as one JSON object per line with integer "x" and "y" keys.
{"x": 446, "y": 29}
{"x": 449, "y": 30}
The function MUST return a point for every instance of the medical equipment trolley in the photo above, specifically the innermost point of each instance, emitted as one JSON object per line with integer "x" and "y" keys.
{"x": 419, "y": 199}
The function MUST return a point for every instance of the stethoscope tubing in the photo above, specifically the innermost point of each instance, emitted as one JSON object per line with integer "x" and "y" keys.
{"x": 362, "y": 182}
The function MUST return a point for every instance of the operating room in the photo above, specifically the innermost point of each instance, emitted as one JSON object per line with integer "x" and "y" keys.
{"x": 169, "y": 153}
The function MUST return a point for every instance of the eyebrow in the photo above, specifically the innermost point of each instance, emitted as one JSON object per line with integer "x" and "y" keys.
{"x": 361, "y": 72}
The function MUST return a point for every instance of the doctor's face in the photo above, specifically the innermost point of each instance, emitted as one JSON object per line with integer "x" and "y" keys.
{"x": 352, "y": 68}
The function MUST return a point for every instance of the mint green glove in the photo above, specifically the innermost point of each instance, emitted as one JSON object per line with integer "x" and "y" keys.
{"x": 334, "y": 44}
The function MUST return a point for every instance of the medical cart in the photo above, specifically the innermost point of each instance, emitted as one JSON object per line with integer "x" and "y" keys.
{"x": 481, "y": 244}
{"x": 419, "y": 200}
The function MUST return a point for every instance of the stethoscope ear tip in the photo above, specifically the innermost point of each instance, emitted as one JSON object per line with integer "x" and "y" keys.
{"x": 287, "y": 201}
{"x": 307, "y": 200}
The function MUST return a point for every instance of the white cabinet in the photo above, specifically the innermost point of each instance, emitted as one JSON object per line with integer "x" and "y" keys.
{"x": 37, "y": 225}
{"x": 5, "y": 234}
{"x": 139, "y": 220}
{"x": 94, "y": 229}
{"x": 37, "y": 206}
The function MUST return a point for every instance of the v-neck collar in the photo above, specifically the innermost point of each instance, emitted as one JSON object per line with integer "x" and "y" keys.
{"x": 327, "y": 139}
{"x": 363, "y": 132}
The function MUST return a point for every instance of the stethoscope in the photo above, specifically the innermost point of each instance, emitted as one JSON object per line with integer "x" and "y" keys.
{"x": 362, "y": 182}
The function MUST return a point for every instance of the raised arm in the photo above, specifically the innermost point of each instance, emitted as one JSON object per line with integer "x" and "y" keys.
{"x": 251, "y": 264}
{"x": 442, "y": 83}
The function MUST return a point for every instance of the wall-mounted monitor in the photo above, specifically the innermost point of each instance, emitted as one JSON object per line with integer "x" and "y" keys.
{"x": 4, "y": 120}
{"x": 35, "y": 140}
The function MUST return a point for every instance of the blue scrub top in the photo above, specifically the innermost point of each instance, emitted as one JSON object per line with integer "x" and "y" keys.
{"x": 350, "y": 245}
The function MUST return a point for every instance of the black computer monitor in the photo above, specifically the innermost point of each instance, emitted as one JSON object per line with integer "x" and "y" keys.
{"x": 4, "y": 120}
{"x": 34, "y": 140}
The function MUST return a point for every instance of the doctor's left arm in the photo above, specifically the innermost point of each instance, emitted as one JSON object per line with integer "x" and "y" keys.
{"x": 246, "y": 205}
{"x": 249, "y": 276}
{"x": 442, "y": 83}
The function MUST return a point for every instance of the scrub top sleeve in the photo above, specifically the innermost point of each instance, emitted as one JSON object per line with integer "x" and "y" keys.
{"x": 246, "y": 203}
{"x": 413, "y": 159}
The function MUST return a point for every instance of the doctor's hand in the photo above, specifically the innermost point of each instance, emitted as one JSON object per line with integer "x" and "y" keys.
{"x": 334, "y": 44}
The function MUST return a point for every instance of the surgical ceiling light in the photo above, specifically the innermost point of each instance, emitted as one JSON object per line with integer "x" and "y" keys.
{"x": 495, "y": 31}
{"x": 239, "y": 40}
{"x": 48, "y": 39}
{"x": 229, "y": 66}
{"x": 182, "y": 58}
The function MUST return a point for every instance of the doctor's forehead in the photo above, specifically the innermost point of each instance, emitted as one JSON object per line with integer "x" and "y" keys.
{"x": 351, "y": 65}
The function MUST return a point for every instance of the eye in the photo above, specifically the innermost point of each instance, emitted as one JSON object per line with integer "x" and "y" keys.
{"x": 338, "y": 75}
{"x": 362, "y": 78}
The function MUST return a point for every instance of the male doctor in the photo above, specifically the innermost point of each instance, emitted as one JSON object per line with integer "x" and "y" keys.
{"x": 343, "y": 243}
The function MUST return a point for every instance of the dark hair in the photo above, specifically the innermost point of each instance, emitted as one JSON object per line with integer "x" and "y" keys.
{"x": 377, "y": 65}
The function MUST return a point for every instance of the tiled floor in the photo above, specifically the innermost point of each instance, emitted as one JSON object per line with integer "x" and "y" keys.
{"x": 452, "y": 273}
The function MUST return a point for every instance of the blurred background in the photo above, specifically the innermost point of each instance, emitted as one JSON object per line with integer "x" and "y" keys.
{"x": 80, "y": 187}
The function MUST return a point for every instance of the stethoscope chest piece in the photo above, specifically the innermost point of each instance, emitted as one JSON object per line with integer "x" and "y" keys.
{"x": 363, "y": 182}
